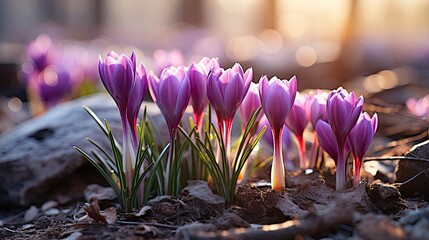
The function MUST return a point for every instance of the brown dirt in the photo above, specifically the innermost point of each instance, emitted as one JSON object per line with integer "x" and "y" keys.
{"x": 187, "y": 215}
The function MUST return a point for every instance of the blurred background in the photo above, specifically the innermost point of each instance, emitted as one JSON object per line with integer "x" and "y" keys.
{"x": 371, "y": 46}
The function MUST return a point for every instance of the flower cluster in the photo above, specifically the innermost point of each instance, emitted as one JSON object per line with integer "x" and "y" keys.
{"x": 346, "y": 129}
{"x": 54, "y": 74}
{"x": 338, "y": 124}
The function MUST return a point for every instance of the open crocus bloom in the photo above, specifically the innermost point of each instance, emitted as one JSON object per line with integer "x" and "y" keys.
{"x": 277, "y": 98}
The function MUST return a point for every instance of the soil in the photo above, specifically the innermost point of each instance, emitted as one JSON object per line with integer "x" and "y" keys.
{"x": 256, "y": 207}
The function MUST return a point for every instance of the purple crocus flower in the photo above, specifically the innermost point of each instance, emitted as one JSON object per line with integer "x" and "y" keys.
{"x": 277, "y": 98}
{"x": 198, "y": 73}
{"x": 54, "y": 85}
{"x": 171, "y": 92}
{"x": 297, "y": 121}
{"x": 343, "y": 110}
{"x": 117, "y": 75}
{"x": 226, "y": 90}
{"x": 317, "y": 112}
{"x": 41, "y": 52}
{"x": 126, "y": 86}
{"x": 359, "y": 139}
{"x": 250, "y": 103}
{"x": 327, "y": 139}
{"x": 419, "y": 107}
{"x": 136, "y": 99}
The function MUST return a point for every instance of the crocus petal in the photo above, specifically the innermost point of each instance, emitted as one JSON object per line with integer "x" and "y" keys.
{"x": 250, "y": 103}
{"x": 327, "y": 138}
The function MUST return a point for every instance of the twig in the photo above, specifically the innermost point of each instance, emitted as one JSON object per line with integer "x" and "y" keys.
{"x": 149, "y": 224}
{"x": 392, "y": 158}
{"x": 398, "y": 185}
{"x": 310, "y": 226}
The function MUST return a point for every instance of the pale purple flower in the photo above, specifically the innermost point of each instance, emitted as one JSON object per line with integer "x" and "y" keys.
{"x": 360, "y": 139}
{"x": 318, "y": 108}
{"x": 277, "y": 97}
{"x": 171, "y": 92}
{"x": 327, "y": 139}
{"x": 42, "y": 52}
{"x": 198, "y": 73}
{"x": 136, "y": 99}
{"x": 250, "y": 103}
{"x": 226, "y": 90}
{"x": 419, "y": 107}
{"x": 54, "y": 85}
{"x": 317, "y": 112}
{"x": 117, "y": 74}
{"x": 343, "y": 110}
{"x": 127, "y": 87}
{"x": 297, "y": 121}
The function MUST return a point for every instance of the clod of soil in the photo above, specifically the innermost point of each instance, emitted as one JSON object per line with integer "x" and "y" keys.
{"x": 386, "y": 198}
{"x": 407, "y": 169}
{"x": 259, "y": 206}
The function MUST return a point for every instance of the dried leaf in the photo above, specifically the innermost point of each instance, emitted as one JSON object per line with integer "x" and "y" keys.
{"x": 93, "y": 213}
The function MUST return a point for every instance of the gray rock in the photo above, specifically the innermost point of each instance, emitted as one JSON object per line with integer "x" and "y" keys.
{"x": 201, "y": 190}
{"x": 37, "y": 155}
{"x": 407, "y": 169}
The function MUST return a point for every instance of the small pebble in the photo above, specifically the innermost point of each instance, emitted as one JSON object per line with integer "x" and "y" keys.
{"x": 27, "y": 226}
{"x": 48, "y": 205}
{"x": 52, "y": 212}
{"x": 31, "y": 214}
{"x": 73, "y": 236}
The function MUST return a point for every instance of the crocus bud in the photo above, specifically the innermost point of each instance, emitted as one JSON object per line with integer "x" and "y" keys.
{"x": 277, "y": 97}
{"x": 117, "y": 76}
{"x": 360, "y": 138}
{"x": 343, "y": 110}
{"x": 327, "y": 139}
{"x": 318, "y": 108}
{"x": 198, "y": 73}
{"x": 136, "y": 99}
{"x": 297, "y": 121}
{"x": 250, "y": 103}
{"x": 171, "y": 92}
{"x": 226, "y": 90}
